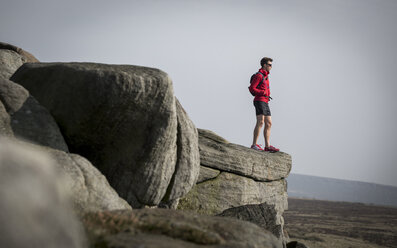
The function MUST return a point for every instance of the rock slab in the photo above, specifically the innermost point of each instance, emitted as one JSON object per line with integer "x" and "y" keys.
{"x": 217, "y": 153}
{"x": 169, "y": 228}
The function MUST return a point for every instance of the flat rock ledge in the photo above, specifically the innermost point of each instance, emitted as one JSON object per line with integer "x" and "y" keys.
{"x": 218, "y": 153}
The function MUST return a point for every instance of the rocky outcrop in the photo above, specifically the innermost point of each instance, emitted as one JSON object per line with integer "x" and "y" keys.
{"x": 28, "y": 120}
{"x": 169, "y": 228}
{"x": 22, "y": 117}
{"x": 232, "y": 175}
{"x": 34, "y": 206}
{"x": 124, "y": 120}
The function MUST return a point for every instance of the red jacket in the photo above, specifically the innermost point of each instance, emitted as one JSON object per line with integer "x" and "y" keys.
{"x": 263, "y": 90}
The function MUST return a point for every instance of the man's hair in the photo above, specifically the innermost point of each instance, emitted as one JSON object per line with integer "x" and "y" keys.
{"x": 265, "y": 60}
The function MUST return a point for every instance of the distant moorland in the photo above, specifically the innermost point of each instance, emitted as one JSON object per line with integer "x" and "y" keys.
{"x": 324, "y": 224}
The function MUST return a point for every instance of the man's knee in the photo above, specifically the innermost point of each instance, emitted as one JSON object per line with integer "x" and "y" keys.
{"x": 260, "y": 121}
{"x": 268, "y": 123}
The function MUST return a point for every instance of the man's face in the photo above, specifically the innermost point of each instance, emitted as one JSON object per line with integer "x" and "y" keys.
{"x": 268, "y": 66}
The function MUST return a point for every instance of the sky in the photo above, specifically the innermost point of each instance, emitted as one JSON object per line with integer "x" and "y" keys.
{"x": 333, "y": 80}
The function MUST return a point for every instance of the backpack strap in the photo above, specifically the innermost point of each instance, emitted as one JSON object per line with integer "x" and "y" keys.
{"x": 263, "y": 79}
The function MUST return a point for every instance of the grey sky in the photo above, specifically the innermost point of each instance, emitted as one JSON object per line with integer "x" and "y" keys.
{"x": 333, "y": 81}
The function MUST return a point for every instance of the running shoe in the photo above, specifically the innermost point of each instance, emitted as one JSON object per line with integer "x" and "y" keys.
{"x": 271, "y": 149}
{"x": 257, "y": 147}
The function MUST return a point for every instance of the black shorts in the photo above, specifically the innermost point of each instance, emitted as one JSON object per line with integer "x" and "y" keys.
{"x": 262, "y": 108}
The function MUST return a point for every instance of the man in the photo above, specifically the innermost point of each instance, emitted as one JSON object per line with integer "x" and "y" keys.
{"x": 260, "y": 88}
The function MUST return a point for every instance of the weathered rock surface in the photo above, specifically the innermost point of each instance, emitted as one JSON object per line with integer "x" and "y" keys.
{"x": 90, "y": 191}
{"x": 169, "y": 228}
{"x": 122, "y": 118}
{"x": 5, "y": 123}
{"x": 230, "y": 190}
{"x": 232, "y": 175}
{"x": 10, "y": 61}
{"x": 188, "y": 158}
{"x": 34, "y": 206}
{"x": 217, "y": 153}
{"x": 207, "y": 174}
{"x": 28, "y": 119}
{"x": 263, "y": 215}
{"x": 27, "y": 57}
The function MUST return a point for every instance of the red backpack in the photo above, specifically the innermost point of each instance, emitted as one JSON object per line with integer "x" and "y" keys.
{"x": 252, "y": 77}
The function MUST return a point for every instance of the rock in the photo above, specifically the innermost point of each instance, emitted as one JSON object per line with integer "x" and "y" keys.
{"x": 27, "y": 57}
{"x": 34, "y": 206}
{"x": 263, "y": 215}
{"x": 217, "y": 153}
{"x": 5, "y": 125}
{"x": 170, "y": 228}
{"x": 28, "y": 119}
{"x": 207, "y": 174}
{"x": 90, "y": 191}
{"x": 229, "y": 190}
{"x": 188, "y": 158}
{"x": 121, "y": 118}
{"x": 10, "y": 61}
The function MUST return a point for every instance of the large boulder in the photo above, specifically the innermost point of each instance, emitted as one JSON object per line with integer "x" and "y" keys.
{"x": 28, "y": 119}
{"x": 217, "y": 153}
{"x": 122, "y": 118}
{"x": 152, "y": 228}
{"x": 34, "y": 207}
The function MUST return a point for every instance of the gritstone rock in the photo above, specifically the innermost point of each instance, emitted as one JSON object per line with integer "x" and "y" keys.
{"x": 90, "y": 191}
{"x": 152, "y": 228}
{"x": 188, "y": 159}
{"x": 217, "y": 153}
{"x": 34, "y": 206}
{"x": 229, "y": 190}
{"x": 263, "y": 215}
{"x": 122, "y": 118}
{"x": 5, "y": 123}
{"x": 27, "y": 57}
{"x": 28, "y": 119}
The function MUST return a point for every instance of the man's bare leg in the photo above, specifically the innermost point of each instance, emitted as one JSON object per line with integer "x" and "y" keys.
{"x": 260, "y": 120}
{"x": 266, "y": 131}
